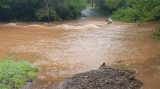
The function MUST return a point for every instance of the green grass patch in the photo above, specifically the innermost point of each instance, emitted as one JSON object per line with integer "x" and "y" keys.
{"x": 156, "y": 34}
{"x": 13, "y": 75}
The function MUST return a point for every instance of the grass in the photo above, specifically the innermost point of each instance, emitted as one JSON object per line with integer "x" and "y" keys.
{"x": 13, "y": 75}
{"x": 156, "y": 34}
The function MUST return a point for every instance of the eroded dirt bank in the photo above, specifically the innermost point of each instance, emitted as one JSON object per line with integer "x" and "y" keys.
{"x": 72, "y": 47}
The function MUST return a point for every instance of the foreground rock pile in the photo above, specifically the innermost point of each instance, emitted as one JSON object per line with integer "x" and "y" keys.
{"x": 103, "y": 78}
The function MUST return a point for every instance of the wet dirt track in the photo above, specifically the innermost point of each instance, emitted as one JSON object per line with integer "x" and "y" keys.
{"x": 71, "y": 47}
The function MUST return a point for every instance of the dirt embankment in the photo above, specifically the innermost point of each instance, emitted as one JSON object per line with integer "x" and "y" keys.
{"x": 103, "y": 78}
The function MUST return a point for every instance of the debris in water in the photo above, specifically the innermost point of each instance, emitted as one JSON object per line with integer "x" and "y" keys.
{"x": 103, "y": 78}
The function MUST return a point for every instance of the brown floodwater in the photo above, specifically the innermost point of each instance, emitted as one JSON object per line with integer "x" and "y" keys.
{"x": 63, "y": 49}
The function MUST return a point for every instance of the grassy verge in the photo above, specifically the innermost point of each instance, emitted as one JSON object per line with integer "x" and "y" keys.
{"x": 156, "y": 34}
{"x": 13, "y": 75}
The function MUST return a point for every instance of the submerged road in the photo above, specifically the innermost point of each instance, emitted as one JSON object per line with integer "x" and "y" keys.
{"x": 71, "y": 47}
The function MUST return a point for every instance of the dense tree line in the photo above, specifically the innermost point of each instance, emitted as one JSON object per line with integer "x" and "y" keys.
{"x": 42, "y": 10}
{"x": 131, "y": 10}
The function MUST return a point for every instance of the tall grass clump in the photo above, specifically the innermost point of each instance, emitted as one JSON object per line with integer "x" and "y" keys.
{"x": 13, "y": 75}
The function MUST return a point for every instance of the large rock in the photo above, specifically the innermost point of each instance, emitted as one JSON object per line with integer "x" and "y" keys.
{"x": 103, "y": 78}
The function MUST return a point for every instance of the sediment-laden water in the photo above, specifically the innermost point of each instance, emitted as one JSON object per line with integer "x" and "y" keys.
{"x": 63, "y": 49}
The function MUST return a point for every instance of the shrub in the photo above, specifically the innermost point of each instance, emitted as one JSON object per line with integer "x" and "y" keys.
{"x": 131, "y": 10}
{"x": 13, "y": 75}
{"x": 127, "y": 15}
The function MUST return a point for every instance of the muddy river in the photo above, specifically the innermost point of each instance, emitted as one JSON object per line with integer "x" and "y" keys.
{"x": 63, "y": 49}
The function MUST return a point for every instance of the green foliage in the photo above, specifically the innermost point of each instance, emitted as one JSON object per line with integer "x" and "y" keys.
{"x": 146, "y": 9}
{"x": 13, "y": 75}
{"x": 18, "y": 9}
{"x": 43, "y": 10}
{"x": 131, "y": 10}
{"x": 128, "y": 15}
{"x": 156, "y": 34}
{"x": 108, "y": 6}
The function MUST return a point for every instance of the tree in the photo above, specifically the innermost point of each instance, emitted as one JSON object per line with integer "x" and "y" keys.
{"x": 44, "y": 10}
{"x": 109, "y": 6}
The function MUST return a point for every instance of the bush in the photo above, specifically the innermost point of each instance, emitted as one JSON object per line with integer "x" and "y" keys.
{"x": 131, "y": 10}
{"x": 127, "y": 15}
{"x": 156, "y": 34}
{"x": 109, "y": 6}
{"x": 13, "y": 75}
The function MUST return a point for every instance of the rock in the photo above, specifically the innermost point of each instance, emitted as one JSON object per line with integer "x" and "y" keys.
{"x": 27, "y": 85}
{"x": 103, "y": 78}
